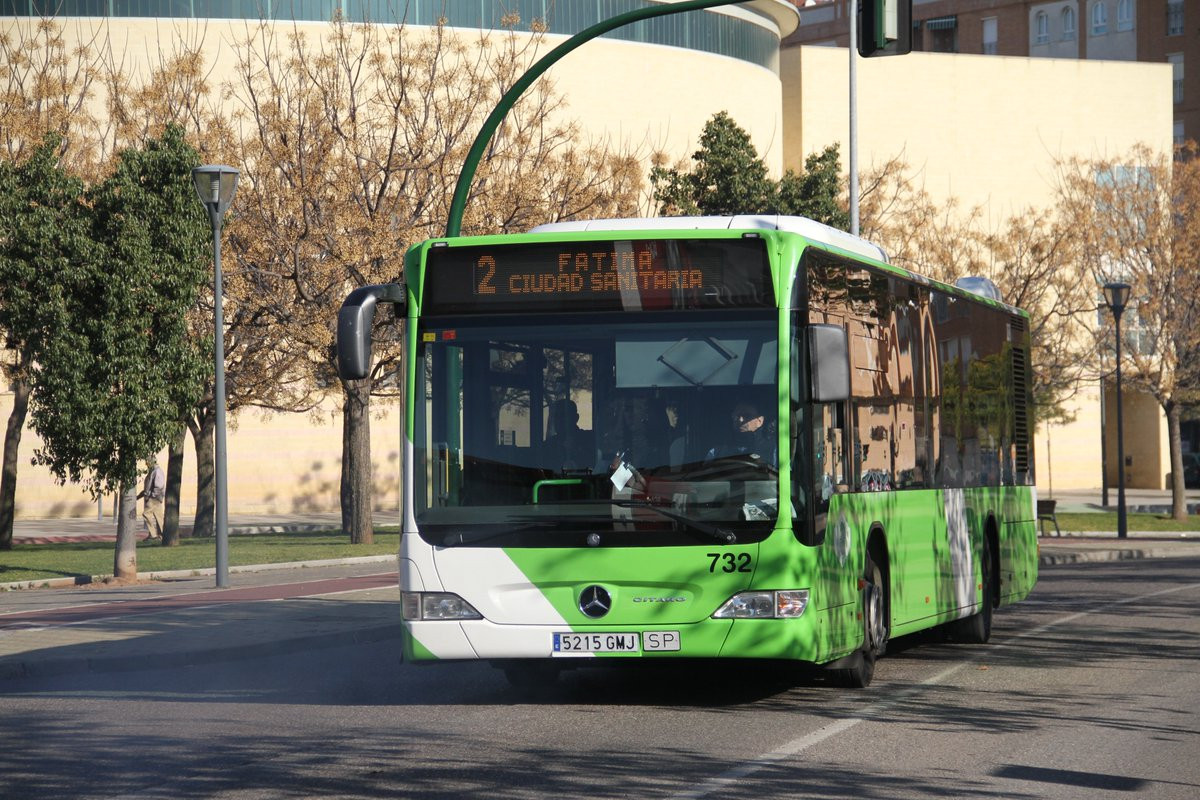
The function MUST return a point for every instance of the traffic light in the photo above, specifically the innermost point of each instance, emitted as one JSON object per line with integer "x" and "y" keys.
{"x": 884, "y": 27}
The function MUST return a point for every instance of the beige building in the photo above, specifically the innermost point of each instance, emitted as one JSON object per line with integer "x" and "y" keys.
{"x": 722, "y": 59}
{"x": 986, "y": 130}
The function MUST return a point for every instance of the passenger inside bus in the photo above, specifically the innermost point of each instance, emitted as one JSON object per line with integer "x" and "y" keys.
{"x": 569, "y": 448}
{"x": 637, "y": 432}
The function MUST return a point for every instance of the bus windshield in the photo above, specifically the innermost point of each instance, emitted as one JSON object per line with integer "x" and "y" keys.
{"x": 563, "y": 430}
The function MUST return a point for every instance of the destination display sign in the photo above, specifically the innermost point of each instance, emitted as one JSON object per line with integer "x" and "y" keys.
{"x": 618, "y": 275}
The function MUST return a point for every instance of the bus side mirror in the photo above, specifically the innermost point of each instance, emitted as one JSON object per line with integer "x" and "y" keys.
{"x": 354, "y": 328}
{"x": 829, "y": 358}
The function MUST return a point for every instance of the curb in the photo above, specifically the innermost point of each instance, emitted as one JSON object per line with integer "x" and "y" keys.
{"x": 1098, "y": 556}
{"x": 1050, "y": 560}
{"x": 80, "y": 580}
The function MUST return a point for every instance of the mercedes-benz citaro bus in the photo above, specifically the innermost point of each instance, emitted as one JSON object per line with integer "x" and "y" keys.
{"x": 743, "y": 437}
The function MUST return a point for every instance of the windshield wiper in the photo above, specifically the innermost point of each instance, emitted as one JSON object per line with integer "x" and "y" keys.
{"x": 459, "y": 538}
{"x": 714, "y": 532}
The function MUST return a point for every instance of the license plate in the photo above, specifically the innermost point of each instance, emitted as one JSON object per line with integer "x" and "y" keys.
{"x": 571, "y": 644}
{"x": 660, "y": 641}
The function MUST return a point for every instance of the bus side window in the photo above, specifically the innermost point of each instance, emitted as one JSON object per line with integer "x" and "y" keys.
{"x": 829, "y": 450}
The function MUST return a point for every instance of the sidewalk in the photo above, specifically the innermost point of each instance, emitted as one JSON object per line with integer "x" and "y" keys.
{"x": 91, "y": 529}
{"x": 1152, "y": 501}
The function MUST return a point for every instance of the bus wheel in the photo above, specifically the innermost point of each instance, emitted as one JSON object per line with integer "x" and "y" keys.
{"x": 977, "y": 628}
{"x": 875, "y": 609}
{"x": 860, "y": 669}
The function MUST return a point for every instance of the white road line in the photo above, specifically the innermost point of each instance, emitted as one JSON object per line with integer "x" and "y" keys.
{"x": 802, "y": 743}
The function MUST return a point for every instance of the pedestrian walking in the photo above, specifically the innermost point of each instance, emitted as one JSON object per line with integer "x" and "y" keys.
{"x": 153, "y": 491}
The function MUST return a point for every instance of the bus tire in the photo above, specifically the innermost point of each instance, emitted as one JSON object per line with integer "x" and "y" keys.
{"x": 977, "y": 628}
{"x": 860, "y": 672}
{"x": 860, "y": 669}
{"x": 876, "y": 601}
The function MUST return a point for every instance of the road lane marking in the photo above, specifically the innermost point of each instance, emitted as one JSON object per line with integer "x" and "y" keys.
{"x": 799, "y": 745}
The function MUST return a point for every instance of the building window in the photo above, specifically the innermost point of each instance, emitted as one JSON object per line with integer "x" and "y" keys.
{"x": 943, "y": 34}
{"x": 1042, "y": 25}
{"x": 1177, "y": 129}
{"x": 989, "y": 36}
{"x": 1174, "y": 17}
{"x": 1176, "y": 62}
{"x": 1068, "y": 24}
{"x": 1099, "y": 19}
{"x": 1124, "y": 15}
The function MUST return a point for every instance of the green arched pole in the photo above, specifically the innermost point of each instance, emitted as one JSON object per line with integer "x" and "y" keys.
{"x": 463, "y": 187}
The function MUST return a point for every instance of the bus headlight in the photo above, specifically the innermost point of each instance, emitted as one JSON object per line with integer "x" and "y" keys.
{"x": 436, "y": 605}
{"x": 786, "y": 604}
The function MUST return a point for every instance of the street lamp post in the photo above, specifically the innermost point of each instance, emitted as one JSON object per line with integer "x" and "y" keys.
{"x": 216, "y": 185}
{"x": 1116, "y": 294}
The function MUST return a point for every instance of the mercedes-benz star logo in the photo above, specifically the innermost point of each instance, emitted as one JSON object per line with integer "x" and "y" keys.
{"x": 594, "y": 601}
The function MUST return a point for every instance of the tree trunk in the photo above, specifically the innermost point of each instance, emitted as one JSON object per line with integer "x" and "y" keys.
{"x": 8, "y": 473}
{"x": 204, "y": 436}
{"x": 1178, "y": 494}
{"x": 356, "y": 462}
{"x": 174, "y": 482}
{"x": 125, "y": 557}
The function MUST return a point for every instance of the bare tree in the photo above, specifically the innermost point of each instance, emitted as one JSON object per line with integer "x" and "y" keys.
{"x": 353, "y": 142}
{"x": 1032, "y": 256}
{"x": 1138, "y": 220}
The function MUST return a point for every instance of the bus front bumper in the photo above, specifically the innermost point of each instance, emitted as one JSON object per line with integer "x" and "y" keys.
{"x": 807, "y": 638}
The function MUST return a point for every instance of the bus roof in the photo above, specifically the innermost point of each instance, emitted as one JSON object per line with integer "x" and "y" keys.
{"x": 810, "y": 229}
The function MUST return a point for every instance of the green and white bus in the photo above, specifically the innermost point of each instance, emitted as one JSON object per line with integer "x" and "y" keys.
{"x": 743, "y": 437}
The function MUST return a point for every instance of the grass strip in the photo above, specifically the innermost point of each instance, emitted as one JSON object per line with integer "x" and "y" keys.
{"x": 1106, "y": 521}
{"x": 72, "y": 559}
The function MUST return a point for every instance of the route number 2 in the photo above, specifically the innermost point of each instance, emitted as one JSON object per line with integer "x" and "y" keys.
{"x": 729, "y": 562}
{"x": 485, "y": 285}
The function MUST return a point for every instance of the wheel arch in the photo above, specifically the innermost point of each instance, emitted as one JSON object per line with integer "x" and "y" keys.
{"x": 877, "y": 548}
{"x": 991, "y": 540}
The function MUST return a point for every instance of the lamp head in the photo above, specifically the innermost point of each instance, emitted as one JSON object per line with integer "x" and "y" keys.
{"x": 216, "y": 185}
{"x": 1116, "y": 294}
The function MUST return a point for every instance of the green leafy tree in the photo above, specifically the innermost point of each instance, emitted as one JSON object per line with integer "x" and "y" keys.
{"x": 111, "y": 383}
{"x": 817, "y": 192}
{"x": 42, "y": 224}
{"x": 729, "y": 177}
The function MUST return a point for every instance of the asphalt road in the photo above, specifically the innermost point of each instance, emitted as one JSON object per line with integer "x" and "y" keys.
{"x": 1090, "y": 689}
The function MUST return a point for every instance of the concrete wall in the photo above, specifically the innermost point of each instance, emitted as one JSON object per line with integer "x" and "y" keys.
{"x": 988, "y": 130}
{"x": 985, "y": 129}
{"x": 625, "y": 91}
{"x": 646, "y": 95}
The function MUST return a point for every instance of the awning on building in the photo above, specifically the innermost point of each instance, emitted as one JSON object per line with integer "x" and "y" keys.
{"x": 941, "y": 23}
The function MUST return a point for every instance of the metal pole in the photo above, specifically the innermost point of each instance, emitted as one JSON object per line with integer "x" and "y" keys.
{"x": 222, "y": 505}
{"x": 1103, "y": 445}
{"x": 463, "y": 187}
{"x": 852, "y": 11}
{"x": 1122, "y": 521}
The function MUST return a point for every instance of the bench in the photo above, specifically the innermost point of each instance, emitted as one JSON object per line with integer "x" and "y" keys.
{"x": 1045, "y": 513}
